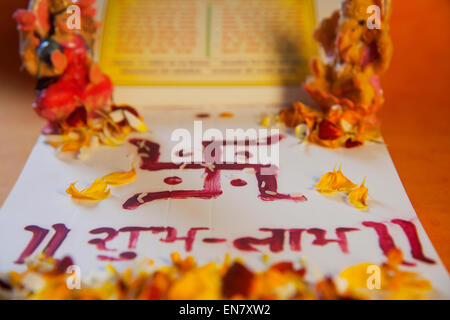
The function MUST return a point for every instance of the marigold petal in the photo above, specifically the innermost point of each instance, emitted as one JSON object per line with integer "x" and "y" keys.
{"x": 226, "y": 115}
{"x": 358, "y": 197}
{"x": 395, "y": 257}
{"x": 200, "y": 283}
{"x": 356, "y": 276}
{"x": 342, "y": 183}
{"x": 45, "y": 279}
{"x": 120, "y": 178}
{"x": 71, "y": 146}
{"x": 335, "y": 181}
{"x": 326, "y": 182}
{"x": 266, "y": 121}
{"x": 406, "y": 294}
{"x": 98, "y": 190}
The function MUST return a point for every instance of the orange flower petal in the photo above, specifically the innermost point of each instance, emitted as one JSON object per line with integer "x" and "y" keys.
{"x": 71, "y": 146}
{"x": 334, "y": 181}
{"x": 342, "y": 183}
{"x": 98, "y": 190}
{"x": 226, "y": 115}
{"x": 266, "y": 122}
{"x": 326, "y": 182}
{"x": 395, "y": 257}
{"x": 358, "y": 197}
{"x": 356, "y": 276}
{"x": 120, "y": 178}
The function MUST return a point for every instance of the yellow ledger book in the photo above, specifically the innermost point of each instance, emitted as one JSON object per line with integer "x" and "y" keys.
{"x": 217, "y": 42}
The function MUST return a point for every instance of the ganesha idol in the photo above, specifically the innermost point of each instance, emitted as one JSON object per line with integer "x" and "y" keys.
{"x": 73, "y": 94}
{"x": 345, "y": 84}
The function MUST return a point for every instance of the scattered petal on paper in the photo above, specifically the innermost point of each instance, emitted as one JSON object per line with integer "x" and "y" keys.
{"x": 326, "y": 183}
{"x": 97, "y": 191}
{"x": 342, "y": 183}
{"x": 334, "y": 181}
{"x": 120, "y": 178}
{"x": 394, "y": 283}
{"x": 358, "y": 197}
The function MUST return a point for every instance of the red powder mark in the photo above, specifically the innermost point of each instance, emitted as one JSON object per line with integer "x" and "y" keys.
{"x": 183, "y": 154}
{"x": 150, "y": 152}
{"x": 385, "y": 240}
{"x": 247, "y": 142}
{"x": 238, "y": 183}
{"x": 268, "y": 188}
{"x": 341, "y": 237}
{"x": 134, "y": 235}
{"x": 106, "y": 258}
{"x": 245, "y": 154}
{"x": 294, "y": 239}
{"x": 124, "y": 256}
{"x": 275, "y": 242}
{"x": 55, "y": 242}
{"x": 211, "y": 189}
{"x": 128, "y": 255}
{"x": 148, "y": 148}
{"x": 136, "y": 231}
{"x": 62, "y": 265}
{"x": 38, "y": 236}
{"x": 173, "y": 180}
{"x": 188, "y": 239}
{"x": 101, "y": 243}
{"x": 202, "y": 115}
{"x": 214, "y": 240}
{"x": 411, "y": 233}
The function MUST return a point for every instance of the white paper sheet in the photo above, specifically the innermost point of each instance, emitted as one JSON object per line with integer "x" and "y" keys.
{"x": 238, "y": 213}
{"x": 236, "y": 217}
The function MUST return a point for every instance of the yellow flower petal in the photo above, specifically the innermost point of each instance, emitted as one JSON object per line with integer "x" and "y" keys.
{"x": 265, "y": 121}
{"x": 226, "y": 115}
{"x": 334, "y": 181}
{"x": 71, "y": 146}
{"x": 199, "y": 283}
{"x": 406, "y": 294}
{"x": 98, "y": 190}
{"x": 185, "y": 280}
{"x": 111, "y": 134}
{"x": 326, "y": 182}
{"x": 356, "y": 276}
{"x": 395, "y": 257}
{"x": 358, "y": 197}
{"x": 120, "y": 178}
{"x": 342, "y": 183}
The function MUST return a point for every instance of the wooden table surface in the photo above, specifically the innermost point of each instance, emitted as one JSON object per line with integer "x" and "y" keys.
{"x": 416, "y": 116}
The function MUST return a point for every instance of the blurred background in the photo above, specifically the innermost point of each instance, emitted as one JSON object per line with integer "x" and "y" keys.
{"x": 415, "y": 117}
